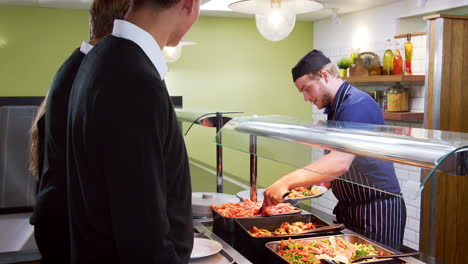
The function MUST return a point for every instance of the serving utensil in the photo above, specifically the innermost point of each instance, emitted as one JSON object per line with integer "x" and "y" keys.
{"x": 260, "y": 211}
{"x": 321, "y": 229}
{"x": 330, "y": 261}
{"x": 386, "y": 256}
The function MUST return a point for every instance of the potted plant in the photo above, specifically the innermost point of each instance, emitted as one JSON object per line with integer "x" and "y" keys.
{"x": 343, "y": 66}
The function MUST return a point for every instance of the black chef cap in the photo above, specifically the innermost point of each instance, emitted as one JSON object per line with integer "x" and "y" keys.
{"x": 312, "y": 61}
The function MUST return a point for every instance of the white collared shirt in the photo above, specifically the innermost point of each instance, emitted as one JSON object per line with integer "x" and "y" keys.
{"x": 85, "y": 47}
{"x": 147, "y": 43}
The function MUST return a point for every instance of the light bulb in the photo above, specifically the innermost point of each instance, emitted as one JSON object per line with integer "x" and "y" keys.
{"x": 275, "y": 19}
{"x": 335, "y": 18}
{"x": 276, "y": 23}
{"x": 172, "y": 54}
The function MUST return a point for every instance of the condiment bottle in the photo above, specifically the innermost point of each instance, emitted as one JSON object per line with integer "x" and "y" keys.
{"x": 408, "y": 55}
{"x": 388, "y": 60}
{"x": 353, "y": 57}
{"x": 397, "y": 99}
{"x": 376, "y": 95}
{"x": 384, "y": 100}
{"x": 397, "y": 61}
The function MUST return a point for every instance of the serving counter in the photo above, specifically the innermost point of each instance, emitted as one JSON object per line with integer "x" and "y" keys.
{"x": 203, "y": 228}
{"x": 232, "y": 249}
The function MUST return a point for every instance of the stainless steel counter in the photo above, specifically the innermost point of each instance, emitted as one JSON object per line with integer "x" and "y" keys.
{"x": 203, "y": 229}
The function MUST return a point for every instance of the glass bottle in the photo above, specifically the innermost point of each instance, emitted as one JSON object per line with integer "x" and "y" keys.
{"x": 397, "y": 99}
{"x": 397, "y": 61}
{"x": 353, "y": 57}
{"x": 384, "y": 100}
{"x": 388, "y": 60}
{"x": 408, "y": 55}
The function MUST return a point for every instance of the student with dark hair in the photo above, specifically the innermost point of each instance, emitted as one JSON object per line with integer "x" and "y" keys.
{"x": 48, "y": 149}
{"x": 128, "y": 174}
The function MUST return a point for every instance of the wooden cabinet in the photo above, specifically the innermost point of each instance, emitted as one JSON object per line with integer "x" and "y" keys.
{"x": 445, "y": 200}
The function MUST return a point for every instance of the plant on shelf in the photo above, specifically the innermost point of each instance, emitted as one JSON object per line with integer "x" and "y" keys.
{"x": 343, "y": 66}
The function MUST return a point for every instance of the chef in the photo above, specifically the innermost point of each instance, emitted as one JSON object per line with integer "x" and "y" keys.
{"x": 368, "y": 192}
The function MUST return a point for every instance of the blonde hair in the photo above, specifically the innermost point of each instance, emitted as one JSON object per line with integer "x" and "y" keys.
{"x": 330, "y": 68}
{"x": 35, "y": 153}
{"x": 102, "y": 16}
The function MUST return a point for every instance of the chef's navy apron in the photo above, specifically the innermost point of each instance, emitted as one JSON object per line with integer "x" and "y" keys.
{"x": 374, "y": 214}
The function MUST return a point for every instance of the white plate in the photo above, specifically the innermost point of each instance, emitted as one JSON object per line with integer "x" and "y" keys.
{"x": 322, "y": 191}
{"x": 203, "y": 247}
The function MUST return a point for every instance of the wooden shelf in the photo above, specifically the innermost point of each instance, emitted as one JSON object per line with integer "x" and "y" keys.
{"x": 411, "y": 34}
{"x": 445, "y": 16}
{"x": 385, "y": 78}
{"x": 404, "y": 116}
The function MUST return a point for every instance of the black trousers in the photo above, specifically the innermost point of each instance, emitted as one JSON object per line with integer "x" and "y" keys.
{"x": 53, "y": 242}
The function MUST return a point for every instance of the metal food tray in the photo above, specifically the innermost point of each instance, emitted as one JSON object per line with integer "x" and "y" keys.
{"x": 224, "y": 224}
{"x": 254, "y": 247}
{"x": 273, "y": 246}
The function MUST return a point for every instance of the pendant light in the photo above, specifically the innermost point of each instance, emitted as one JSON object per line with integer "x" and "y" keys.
{"x": 172, "y": 54}
{"x": 335, "y": 18}
{"x": 275, "y": 19}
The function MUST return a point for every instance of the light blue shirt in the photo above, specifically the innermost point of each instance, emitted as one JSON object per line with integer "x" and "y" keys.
{"x": 127, "y": 30}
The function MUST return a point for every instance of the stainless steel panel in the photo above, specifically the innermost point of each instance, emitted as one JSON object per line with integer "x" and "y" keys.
{"x": 412, "y": 146}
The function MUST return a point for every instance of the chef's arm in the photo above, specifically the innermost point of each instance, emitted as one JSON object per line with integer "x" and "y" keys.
{"x": 326, "y": 169}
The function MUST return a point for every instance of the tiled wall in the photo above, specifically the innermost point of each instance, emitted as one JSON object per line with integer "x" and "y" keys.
{"x": 378, "y": 25}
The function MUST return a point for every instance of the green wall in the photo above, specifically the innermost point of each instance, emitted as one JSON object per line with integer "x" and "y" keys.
{"x": 34, "y": 42}
{"x": 232, "y": 67}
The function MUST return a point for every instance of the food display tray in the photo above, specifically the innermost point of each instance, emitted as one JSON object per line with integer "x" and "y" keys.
{"x": 254, "y": 247}
{"x": 224, "y": 224}
{"x": 273, "y": 246}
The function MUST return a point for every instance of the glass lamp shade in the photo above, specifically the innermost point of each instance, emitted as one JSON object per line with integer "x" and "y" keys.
{"x": 275, "y": 19}
{"x": 172, "y": 54}
{"x": 275, "y": 24}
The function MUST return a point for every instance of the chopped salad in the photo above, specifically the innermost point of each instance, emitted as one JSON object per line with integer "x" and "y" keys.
{"x": 334, "y": 248}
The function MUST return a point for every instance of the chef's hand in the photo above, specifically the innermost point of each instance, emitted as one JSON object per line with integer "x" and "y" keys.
{"x": 275, "y": 194}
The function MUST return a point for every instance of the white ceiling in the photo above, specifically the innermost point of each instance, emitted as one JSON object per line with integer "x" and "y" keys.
{"x": 219, "y": 7}
{"x": 344, "y": 6}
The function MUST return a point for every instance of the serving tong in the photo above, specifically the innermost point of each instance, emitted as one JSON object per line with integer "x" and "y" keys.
{"x": 330, "y": 261}
{"x": 321, "y": 229}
